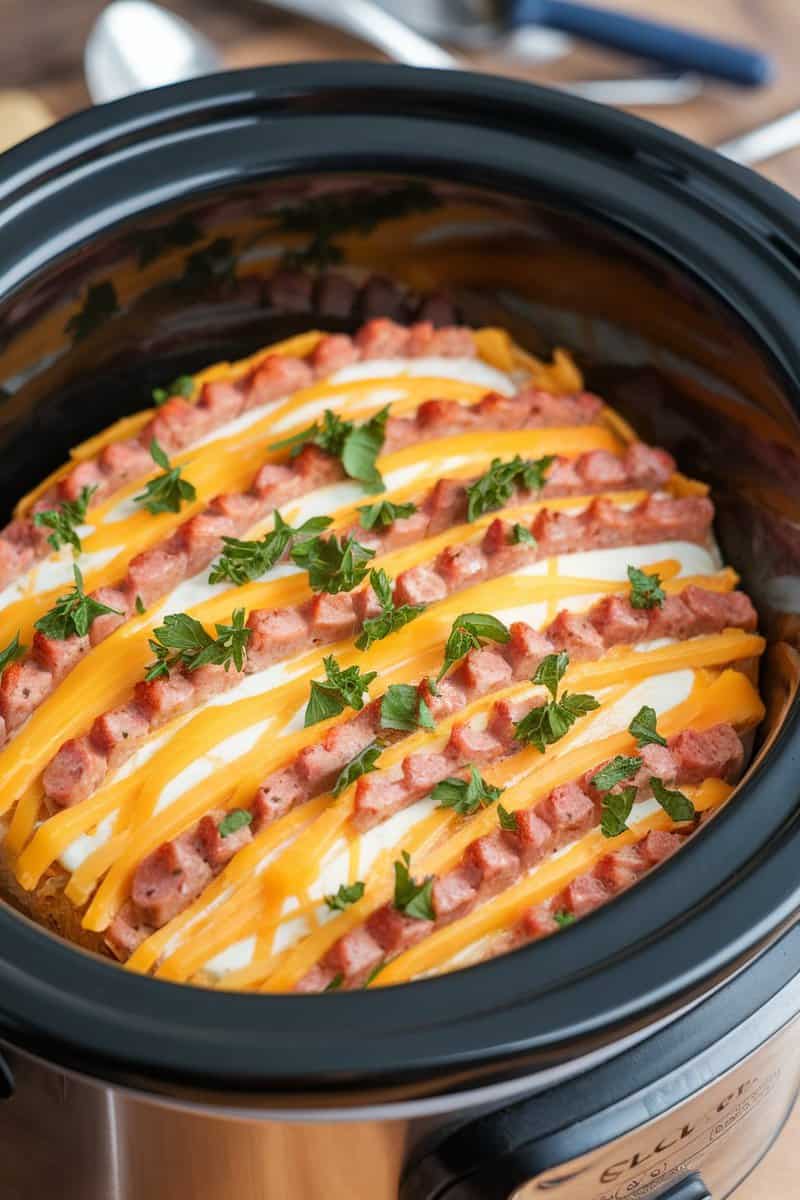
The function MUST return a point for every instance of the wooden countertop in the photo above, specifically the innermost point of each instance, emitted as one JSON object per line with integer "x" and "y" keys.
{"x": 42, "y": 46}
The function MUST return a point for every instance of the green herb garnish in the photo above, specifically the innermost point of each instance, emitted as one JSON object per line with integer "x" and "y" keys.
{"x": 466, "y": 796}
{"x": 619, "y": 768}
{"x": 674, "y": 803}
{"x": 64, "y": 520}
{"x": 357, "y": 446}
{"x": 335, "y": 983}
{"x": 333, "y": 564}
{"x": 615, "y": 811}
{"x": 548, "y": 723}
{"x": 72, "y": 615}
{"x": 183, "y": 640}
{"x": 520, "y": 534}
{"x": 643, "y": 728}
{"x": 139, "y": 604}
{"x": 12, "y": 652}
{"x": 167, "y": 492}
{"x": 390, "y": 618}
{"x": 343, "y": 689}
{"x": 362, "y": 764}
{"x": 184, "y": 386}
{"x": 233, "y": 821}
{"x": 646, "y": 590}
{"x": 495, "y": 488}
{"x": 508, "y": 820}
{"x": 383, "y": 514}
{"x": 242, "y": 562}
{"x": 403, "y": 708}
{"x": 413, "y": 899}
{"x": 345, "y": 896}
{"x": 563, "y": 918}
{"x": 466, "y": 634}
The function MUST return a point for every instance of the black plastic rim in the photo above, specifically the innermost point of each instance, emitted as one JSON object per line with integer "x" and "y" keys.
{"x": 687, "y": 926}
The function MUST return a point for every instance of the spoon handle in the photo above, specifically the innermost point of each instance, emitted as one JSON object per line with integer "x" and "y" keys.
{"x": 677, "y": 48}
{"x": 374, "y": 25}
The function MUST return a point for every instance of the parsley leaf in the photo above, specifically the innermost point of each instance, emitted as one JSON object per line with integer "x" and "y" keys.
{"x": 333, "y": 565}
{"x": 184, "y": 386}
{"x": 241, "y": 562}
{"x": 362, "y": 764}
{"x": 551, "y": 671}
{"x": 466, "y": 634}
{"x": 346, "y": 895}
{"x": 72, "y": 614}
{"x": 495, "y": 488}
{"x": 335, "y": 983}
{"x": 508, "y": 820}
{"x": 520, "y": 534}
{"x": 403, "y": 708}
{"x": 12, "y": 652}
{"x": 383, "y": 514}
{"x": 374, "y": 972}
{"x": 374, "y": 629}
{"x": 140, "y": 608}
{"x": 413, "y": 899}
{"x": 233, "y": 821}
{"x": 64, "y": 520}
{"x": 563, "y": 918}
{"x": 620, "y": 767}
{"x": 646, "y": 590}
{"x": 674, "y": 803}
{"x": 548, "y": 723}
{"x": 167, "y": 492}
{"x": 344, "y": 689}
{"x": 643, "y": 728}
{"x": 183, "y": 640}
{"x": 466, "y": 796}
{"x": 615, "y": 811}
{"x": 358, "y": 446}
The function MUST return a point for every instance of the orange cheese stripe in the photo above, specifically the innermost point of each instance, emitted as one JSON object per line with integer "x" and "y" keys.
{"x": 503, "y": 910}
{"x": 729, "y": 697}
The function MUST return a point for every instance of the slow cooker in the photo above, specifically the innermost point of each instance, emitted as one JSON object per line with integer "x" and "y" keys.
{"x": 653, "y": 1050}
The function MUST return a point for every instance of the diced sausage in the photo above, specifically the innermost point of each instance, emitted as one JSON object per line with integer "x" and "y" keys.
{"x": 157, "y": 571}
{"x": 166, "y": 879}
{"x": 104, "y": 625}
{"x": 276, "y": 376}
{"x": 23, "y": 686}
{"x": 715, "y": 753}
{"x": 568, "y": 811}
{"x": 575, "y": 634}
{"x": 381, "y": 338}
{"x": 419, "y": 585}
{"x": 618, "y": 622}
{"x": 216, "y": 849}
{"x": 74, "y": 773}
{"x": 58, "y": 655}
{"x": 394, "y": 931}
{"x": 332, "y": 353}
{"x": 115, "y": 733}
{"x": 164, "y": 697}
{"x": 275, "y": 634}
{"x": 331, "y": 617}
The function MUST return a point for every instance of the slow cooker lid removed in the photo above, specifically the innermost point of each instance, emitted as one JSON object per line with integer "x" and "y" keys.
{"x": 684, "y": 928}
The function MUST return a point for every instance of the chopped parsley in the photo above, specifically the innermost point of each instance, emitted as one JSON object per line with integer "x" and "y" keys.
{"x": 466, "y": 634}
{"x": 184, "y": 386}
{"x": 333, "y": 564}
{"x": 65, "y": 519}
{"x": 12, "y": 652}
{"x": 646, "y": 590}
{"x": 643, "y": 728}
{"x": 183, "y": 641}
{"x": 619, "y": 768}
{"x": 335, "y": 983}
{"x": 548, "y": 723}
{"x": 413, "y": 899}
{"x": 402, "y": 707}
{"x": 508, "y": 820}
{"x": 364, "y": 762}
{"x": 495, "y": 488}
{"x": 521, "y": 535}
{"x": 383, "y": 514}
{"x": 233, "y": 821}
{"x": 563, "y": 918}
{"x": 343, "y": 689}
{"x": 346, "y": 895}
{"x": 72, "y": 615}
{"x": 242, "y": 562}
{"x": 167, "y": 492}
{"x": 139, "y": 605}
{"x": 466, "y": 796}
{"x": 674, "y": 803}
{"x": 390, "y": 619}
{"x": 376, "y": 970}
{"x": 616, "y": 810}
{"x": 356, "y": 446}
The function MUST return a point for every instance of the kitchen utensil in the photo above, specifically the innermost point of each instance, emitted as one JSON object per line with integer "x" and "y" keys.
{"x": 765, "y": 141}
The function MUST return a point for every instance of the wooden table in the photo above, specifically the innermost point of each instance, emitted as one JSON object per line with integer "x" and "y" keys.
{"x": 42, "y": 46}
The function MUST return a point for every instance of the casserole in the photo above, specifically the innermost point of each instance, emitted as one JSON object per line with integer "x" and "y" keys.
{"x": 671, "y": 274}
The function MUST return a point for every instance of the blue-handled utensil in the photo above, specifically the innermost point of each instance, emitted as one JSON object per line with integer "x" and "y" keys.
{"x": 665, "y": 44}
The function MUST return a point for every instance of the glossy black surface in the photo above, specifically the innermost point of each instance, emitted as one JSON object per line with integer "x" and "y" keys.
{"x": 143, "y": 239}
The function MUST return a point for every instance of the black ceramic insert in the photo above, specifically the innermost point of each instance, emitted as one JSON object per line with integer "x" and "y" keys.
{"x": 152, "y": 236}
